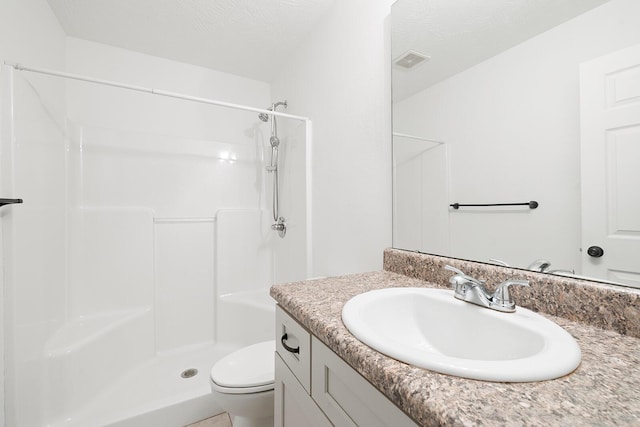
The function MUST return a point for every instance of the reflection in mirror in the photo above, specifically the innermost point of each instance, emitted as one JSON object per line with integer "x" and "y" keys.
{"x": 519, "y": 101}
{"x": 420, "y": 190}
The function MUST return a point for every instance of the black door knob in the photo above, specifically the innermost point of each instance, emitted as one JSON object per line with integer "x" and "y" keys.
{"x": 595, "y": 251}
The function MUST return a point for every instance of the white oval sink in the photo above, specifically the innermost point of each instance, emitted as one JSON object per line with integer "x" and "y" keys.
{"x": 431, "y": 329}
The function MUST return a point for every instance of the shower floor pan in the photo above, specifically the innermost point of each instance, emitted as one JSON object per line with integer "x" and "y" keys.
{"x": 156, "y": 393}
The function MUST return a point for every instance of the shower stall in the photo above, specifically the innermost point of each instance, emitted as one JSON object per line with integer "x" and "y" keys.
{"x": 144, "y": 249}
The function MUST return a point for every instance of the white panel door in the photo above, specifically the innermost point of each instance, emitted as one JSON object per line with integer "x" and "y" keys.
{"x": 610, "y": 144}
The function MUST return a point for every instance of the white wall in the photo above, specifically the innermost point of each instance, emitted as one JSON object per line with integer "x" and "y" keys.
{"x": 339, "y": 78}
{"x": 29, "y": 33}
{"x": 512, "y": 127}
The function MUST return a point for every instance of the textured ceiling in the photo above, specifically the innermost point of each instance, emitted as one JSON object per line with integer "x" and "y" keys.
{"x": 460, "y": 33}
{"x": 251, "y": 38}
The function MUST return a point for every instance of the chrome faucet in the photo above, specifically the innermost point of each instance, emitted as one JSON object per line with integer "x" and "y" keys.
{"x": 469, "y": 289}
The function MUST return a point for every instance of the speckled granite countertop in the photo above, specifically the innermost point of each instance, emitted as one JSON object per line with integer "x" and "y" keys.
{"x": 604, "y": 390}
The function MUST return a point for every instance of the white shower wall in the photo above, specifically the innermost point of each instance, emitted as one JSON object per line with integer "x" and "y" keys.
{"x": 28, "y": 33}
{"x": 162, "y": 168}
{"x": 151, "y": 175}
{"x": 34, "y": 284}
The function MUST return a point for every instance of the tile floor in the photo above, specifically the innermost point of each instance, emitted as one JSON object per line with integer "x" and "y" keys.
{"x": 221, "y": 420}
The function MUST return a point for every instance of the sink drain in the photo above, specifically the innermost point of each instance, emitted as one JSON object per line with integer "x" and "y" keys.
{"x": 188, "y": 373}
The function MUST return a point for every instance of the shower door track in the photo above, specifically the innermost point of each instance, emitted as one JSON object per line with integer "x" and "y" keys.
{"x": 21, "y": 67}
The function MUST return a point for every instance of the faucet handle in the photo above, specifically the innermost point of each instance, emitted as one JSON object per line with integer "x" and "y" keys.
{"x": 460, "y": 278}
{"x": 455, "y": 270}
{"x": 539, "y": 265}
{"x": 501, "y": 299}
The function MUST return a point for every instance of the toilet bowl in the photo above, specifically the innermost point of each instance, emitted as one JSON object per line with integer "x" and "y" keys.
{"x": 242, "y": 383}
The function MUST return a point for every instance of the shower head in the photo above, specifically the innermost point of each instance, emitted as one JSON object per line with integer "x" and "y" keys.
{"x": 265, "y": 117}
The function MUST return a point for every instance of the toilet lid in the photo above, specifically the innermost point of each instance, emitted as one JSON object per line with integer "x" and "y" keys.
{"x": 248, "y": 367}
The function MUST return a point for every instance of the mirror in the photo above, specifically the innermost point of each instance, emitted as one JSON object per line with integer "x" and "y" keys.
{"x": 504, "y": 101}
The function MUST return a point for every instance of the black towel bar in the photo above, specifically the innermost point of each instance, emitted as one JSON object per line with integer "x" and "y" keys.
{"x": 532, "y": 204}
{"x": 9, "y": 201}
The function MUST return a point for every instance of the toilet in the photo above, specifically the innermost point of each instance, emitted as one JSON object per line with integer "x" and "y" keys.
{"x": 242, "y": 382}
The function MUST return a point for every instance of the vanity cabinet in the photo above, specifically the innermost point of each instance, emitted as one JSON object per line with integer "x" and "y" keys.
{"x": 315, "y": 387}
{"x": 293, "y": 404}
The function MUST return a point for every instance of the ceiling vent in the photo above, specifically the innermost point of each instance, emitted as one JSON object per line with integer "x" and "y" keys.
{"x": 410, "y": 59}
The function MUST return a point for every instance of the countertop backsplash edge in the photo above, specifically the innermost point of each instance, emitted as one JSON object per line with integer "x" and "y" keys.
{"x": 597, "y": 304}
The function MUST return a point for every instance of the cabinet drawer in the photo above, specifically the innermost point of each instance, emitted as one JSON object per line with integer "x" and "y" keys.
{"x": 346, "y": 397}
{"x": 293, "y": 344}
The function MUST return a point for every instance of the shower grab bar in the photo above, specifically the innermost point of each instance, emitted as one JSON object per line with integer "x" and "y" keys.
{"x": 9, "y": 202}
{"x": 532, "y": 204}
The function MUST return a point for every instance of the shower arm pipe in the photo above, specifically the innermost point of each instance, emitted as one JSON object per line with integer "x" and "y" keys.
{"x": 21, "y": 67}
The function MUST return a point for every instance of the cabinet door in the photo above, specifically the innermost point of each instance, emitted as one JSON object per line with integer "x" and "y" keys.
{"x": 346, "y": 397}
{"x": 293, "y": 406}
